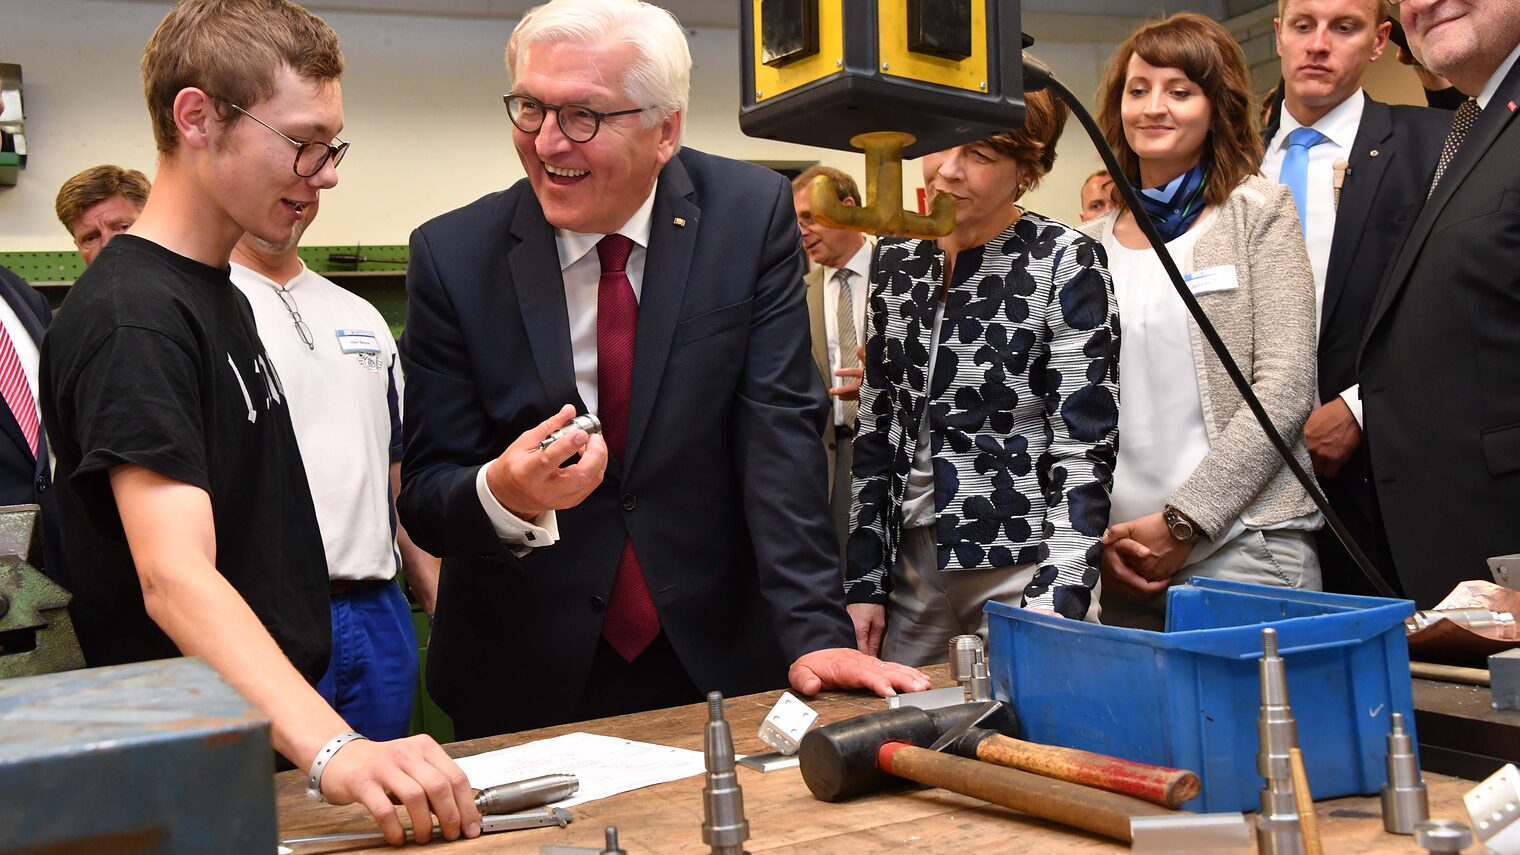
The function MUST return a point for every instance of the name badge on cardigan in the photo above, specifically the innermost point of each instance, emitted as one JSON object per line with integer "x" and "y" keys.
{"x": 1211, "y": 279}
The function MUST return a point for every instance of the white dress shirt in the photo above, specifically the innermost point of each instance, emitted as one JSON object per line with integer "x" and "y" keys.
{"x": 1500, "y": 73}
{"x": 581, "y": 272}
{"x": 860, "y": 265}
{"x": 1339, "y": 127}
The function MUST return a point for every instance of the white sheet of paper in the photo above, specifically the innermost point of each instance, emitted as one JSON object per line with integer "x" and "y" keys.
{"x": 605, "y": 765}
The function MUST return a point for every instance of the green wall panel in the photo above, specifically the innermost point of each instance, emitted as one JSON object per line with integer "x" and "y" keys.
{"x": 376, "y": 273}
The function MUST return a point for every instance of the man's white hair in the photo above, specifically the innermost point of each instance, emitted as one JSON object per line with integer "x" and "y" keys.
{"x": 659, "y": 76}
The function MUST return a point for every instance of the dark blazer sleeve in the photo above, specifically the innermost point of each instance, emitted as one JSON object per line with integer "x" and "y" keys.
{"x": 448, "y": 433}
{"x": 779, "y": 416}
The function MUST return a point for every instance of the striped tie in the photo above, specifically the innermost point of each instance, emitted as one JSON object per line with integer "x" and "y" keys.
{"x": 844, "y": 318}
{"x": 16, "y": 391}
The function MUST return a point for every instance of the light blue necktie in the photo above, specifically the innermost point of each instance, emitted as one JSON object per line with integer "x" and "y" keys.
{"x": 1295, "y": 169}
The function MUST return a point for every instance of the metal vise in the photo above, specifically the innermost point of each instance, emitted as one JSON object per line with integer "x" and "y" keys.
{"x": 36, "y": 634}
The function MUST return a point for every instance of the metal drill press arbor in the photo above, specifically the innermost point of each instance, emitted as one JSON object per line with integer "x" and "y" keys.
{"x": 851, "y": 74}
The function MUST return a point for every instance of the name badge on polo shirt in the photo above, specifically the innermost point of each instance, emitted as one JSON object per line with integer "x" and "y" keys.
{"x": 1211, "y": 279}
{"x": 362, "y": 344}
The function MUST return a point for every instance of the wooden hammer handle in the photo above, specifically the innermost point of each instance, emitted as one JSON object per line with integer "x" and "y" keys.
{"x": 1158, "y": 784}
{"x": 1069, "y": 804}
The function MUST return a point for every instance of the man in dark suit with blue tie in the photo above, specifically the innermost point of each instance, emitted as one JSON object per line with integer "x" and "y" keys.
{"x": 25, "y": 478}
{"x": 1439, "y": 373}
{"x": 688, "y": 547}
{"x": 1341, "y": 151}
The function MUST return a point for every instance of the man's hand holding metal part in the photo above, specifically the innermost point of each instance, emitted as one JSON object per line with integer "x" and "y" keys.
{"x": 528, "y": 481}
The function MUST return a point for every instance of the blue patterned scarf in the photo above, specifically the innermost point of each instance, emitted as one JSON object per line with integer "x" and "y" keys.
{"x": 1175, "y": 207}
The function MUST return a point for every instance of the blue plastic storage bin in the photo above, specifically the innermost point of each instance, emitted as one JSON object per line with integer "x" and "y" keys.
{"x": 1189, "y": 697}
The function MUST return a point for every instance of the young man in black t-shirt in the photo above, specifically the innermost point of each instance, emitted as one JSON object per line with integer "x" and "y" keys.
{"x": 183, "y": 498}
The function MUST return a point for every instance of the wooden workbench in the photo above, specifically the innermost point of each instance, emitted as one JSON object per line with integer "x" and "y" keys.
{"x": 783, "y": 815}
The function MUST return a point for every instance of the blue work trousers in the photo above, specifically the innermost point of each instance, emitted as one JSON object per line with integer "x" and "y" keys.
{"x": 372, "y": 676}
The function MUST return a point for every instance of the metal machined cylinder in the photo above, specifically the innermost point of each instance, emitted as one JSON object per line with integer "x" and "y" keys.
{"x": 1475, "y": 619}
{"x": 725, "y": 829}
{"x": 979, "y": 687}
{"x": 964, "y": 652}
{"x": 1277, "y": 825}
{"x": 1405, "y": 801}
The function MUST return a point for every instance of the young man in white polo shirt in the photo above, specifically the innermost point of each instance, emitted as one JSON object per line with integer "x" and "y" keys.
{"x": 337, "y": 365}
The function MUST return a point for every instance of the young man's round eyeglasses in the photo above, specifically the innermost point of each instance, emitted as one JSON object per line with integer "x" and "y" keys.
{"x": 311, "y": 156}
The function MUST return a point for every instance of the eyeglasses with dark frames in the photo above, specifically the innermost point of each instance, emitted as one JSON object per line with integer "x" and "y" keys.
{"x": 311, "y": 156}
{"x": 576, "y": 122}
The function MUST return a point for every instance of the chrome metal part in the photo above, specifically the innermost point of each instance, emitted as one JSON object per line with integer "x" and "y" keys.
{"x": 612, "y": 843}
{"x": 724, "y": 829}
{"x": 1477, "y": 620}
{"x": 770, "y": 761}
{"x": 1494, "y": 809}
{"x": 1442, "y": 835}
{"x": 1190, "y": 832}
{"x": 1405, "y": 802}
{"x": 929, "y": 699}
{"x": 587, "y": 422}
{"x": 488, "y": 825}
{"x": 980, "y": 687}
{"x": 786, "y": 723}
{"x": 963, "y": 653}
{"x": 530, "y": 793}
{"x": 1277, "y": 825}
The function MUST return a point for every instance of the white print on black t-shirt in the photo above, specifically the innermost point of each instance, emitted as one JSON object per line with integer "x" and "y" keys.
{"x": 253, "y": 416}
{"x": 272, "y": 386}
{"x": 271, "y": 380}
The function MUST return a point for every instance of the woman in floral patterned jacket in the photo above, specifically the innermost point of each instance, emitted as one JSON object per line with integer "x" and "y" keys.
{"x": 989, "y": 408}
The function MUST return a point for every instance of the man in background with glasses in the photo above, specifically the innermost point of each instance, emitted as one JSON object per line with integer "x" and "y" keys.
{"x": 186, "y": 513}
{"x": 689, "y": 546}
{"x": 337, "y": 365}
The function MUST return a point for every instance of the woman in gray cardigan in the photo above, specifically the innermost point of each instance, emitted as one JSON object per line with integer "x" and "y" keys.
{"x": 1198, "y": 490}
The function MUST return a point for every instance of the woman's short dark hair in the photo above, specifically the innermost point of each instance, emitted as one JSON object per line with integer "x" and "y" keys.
{"x": 1210, "y": 57}
{"x": 1033, "y": 145}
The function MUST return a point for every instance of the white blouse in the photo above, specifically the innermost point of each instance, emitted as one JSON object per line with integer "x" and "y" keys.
{"x": 1162, "y": 432}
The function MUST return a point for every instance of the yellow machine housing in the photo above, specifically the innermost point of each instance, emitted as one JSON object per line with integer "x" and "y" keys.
{"x": 820, "y": 72}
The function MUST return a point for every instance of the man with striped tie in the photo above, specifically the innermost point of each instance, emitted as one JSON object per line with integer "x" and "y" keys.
{"x": 836, "y": 299}
{"x": 25, "y": 477}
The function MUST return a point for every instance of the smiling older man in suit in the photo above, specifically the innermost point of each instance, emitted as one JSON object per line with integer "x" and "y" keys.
{"x": 688, "y": 549}
{"x": 1439, "y": 374}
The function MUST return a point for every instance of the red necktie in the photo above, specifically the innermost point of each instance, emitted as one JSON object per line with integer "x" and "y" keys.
{"x": 16, "y": 391}
{"x": 631, "y": 622}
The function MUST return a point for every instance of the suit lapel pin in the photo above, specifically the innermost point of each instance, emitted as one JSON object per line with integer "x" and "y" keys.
{"x": 680, "y": 222}
{"x": 1512, "y": 106}
{"x": 1373, "y": 153}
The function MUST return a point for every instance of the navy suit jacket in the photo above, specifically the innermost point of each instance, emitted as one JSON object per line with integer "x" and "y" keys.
{"x": 25, "y": 479}
{"x": 1440, "y": 377}
{"x": 1391, "y": 160}
{"x": 722, "y": 488}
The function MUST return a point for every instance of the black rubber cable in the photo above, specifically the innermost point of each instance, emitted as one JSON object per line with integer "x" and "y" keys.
{"x": 1038, "y": 76}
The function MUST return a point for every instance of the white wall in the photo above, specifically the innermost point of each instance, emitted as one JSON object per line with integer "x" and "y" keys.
{"x": 423, "y": 110}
